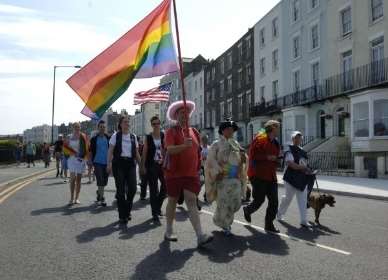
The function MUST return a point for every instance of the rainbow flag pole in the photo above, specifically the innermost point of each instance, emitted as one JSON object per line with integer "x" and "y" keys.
{"x": 145, "y": 51}
{"x": 181, "y": 69}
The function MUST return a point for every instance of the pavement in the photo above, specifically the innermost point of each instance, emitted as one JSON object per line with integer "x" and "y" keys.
{"x": 351, "y": 186}
{"x": 41, "y": 238}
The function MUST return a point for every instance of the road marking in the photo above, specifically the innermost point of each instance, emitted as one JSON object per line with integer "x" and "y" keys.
{"x": 18, "y": 186}
{"x": 346, "y": 253}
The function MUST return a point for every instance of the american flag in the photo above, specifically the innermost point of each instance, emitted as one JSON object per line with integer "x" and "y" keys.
{"x": 158, "y": 94}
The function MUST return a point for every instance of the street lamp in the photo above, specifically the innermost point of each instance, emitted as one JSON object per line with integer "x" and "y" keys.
{"x": 52, "y": 116}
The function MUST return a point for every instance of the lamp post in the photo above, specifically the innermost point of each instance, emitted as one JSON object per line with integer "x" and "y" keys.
{"x": 52, "y": 115}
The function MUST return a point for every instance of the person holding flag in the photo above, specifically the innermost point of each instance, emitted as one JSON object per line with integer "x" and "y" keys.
{"x": 76, "y": 146}
{"x": 182, "y": 164}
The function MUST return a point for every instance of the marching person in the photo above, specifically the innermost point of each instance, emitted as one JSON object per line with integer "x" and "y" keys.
{"x": 263, "y": 160}
{"x": 99, "y": 145}
{"x": 151, "y": 165}
{"x": 225, "y": 173}
{"x": 204, "y": 153}
{"x": 143, "y": 177}
{"x": 77, "y": 147}
{"x": 30, "y": 153}
{"x": 123, "y": 154}
{"x": 58, "y": 153}
{"x": 295, "y": 179}
{"x": 46, "y": 154}
{"x": 182, "y": 164}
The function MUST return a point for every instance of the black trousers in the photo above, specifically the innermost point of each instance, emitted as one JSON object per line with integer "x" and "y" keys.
{"x": 143, "y": 185}
{"x": 260, "y": 190}
{"x": 124, "y": 172}
{"x": 157, "y": 195}
{"x": 101, "y": 175}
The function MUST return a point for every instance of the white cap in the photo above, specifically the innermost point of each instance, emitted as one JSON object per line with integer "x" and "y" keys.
{"x": 295, "y": 133}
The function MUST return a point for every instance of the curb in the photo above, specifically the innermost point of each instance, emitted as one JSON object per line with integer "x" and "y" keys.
{"x": 19, "y": 179}
{"x": 349, "y": 194}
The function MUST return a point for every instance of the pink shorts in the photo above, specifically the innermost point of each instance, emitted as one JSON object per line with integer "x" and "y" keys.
{"x": 176, "y": 185}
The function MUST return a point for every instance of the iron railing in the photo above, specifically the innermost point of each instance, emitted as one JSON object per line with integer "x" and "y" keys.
{"x": 331, "y": 161}
{"x": 363, "y": 77}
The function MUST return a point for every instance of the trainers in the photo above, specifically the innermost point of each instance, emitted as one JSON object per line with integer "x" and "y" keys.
{"x": 172, "y": 237}
{"x": 77, "y": 201}
{"x": 204, "y": 239}
{"x": 247, "y": 215}
{"x": 306, "y": 225}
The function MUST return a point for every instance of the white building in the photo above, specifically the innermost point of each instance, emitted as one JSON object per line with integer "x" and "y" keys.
{"x": 195, "y": 92}
{"x": 40, "y": 134}
{"x": 333, "y": 78}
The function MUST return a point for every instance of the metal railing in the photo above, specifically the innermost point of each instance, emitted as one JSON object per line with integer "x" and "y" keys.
{"x": 307, "y": 140}
{"x": 363, "y": 77}
{"x": 331, "y": 161}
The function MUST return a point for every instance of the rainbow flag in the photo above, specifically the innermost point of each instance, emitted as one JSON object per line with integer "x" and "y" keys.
{"x": 146, "y": 51}
{"x": 68, "y": 151}
{"x": 230, "y": 171}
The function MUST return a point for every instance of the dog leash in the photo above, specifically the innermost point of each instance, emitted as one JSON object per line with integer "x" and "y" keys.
{"x": 316, "y": 182}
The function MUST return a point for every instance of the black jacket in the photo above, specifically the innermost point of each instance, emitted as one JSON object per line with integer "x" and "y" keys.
{"x": 298, "y": 179}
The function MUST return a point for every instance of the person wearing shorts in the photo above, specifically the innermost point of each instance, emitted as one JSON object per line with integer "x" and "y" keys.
{"x": 182, "y": 175}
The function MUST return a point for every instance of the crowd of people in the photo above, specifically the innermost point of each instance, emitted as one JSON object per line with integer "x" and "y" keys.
{"x": 176, "y": 162}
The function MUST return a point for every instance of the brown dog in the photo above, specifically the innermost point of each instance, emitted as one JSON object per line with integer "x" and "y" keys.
{"x": 317, "y": 201}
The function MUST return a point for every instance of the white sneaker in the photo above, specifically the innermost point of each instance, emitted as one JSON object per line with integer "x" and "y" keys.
{"x": 77, "y": 202}
{"x": 306, "y": 224}
{"x": 172, "y": 237}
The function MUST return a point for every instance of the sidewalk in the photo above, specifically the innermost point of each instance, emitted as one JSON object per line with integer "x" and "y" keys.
{"x": 13, "y": 172}
{"x": 351, "y": 186}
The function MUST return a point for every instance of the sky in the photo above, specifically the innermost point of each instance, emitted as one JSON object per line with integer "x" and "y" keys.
{"x": 35, "y": 35}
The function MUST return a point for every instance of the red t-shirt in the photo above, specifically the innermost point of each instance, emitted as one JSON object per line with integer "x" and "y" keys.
{"x": 187, "y": 162}
{"x": 259, "y": 166}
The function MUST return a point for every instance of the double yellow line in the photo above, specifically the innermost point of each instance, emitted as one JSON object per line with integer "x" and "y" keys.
{"x": 13, "y": 188}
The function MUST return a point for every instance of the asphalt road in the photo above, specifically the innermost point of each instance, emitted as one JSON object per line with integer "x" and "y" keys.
{"x": 41, "y": 238}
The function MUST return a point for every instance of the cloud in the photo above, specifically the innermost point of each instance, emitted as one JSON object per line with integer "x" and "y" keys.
{"x": 11, "y": 9}
{"x": 53, "y": 35}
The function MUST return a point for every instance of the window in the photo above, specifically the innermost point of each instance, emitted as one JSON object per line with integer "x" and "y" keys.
{"x": 361, "y": 119}
{"x": 213, "y": 94}
{"x": 377, "y": 58}
{"x": 229, "y": 84}
{"x": 248, "y": 72}
{"x": 229, "y": 60}
{"x": 213, "y": 72}
{"x": 200, "y": 120}
{"x": 377, "y": 9}
{"x": 214, "y": 118}
{"x": 222, "y": 111}
{"x": 248, "y": 46}
{"x": 315, "y": 74}
{"x": 230, "y": 110}
{"x": 248, "y": 97}
{"x": 275, "y": 28}
{"x": 200, "y": 101}
{"x": 196, "y": 85}
{"x": 156, "y": 106}
{"x": 208, "y": 77}
{"x": 262, "y": 38}
{"x": 240, "y": 52}
{"x": 240, "y": 106}
{"x": 346, "y": 69}
{"x": 262, "y": 66}
{"x": 208, "y": 97}
{"x": 275, "y": 89}
{"x": 201, "y": 83}
{"x": 314, "y": 37}
{"x": 239, "y": 78}
{"x": 295, "y": 10}
{"x": 222, "y": 88}
{"x": 262, "y": 92}
{"x": 314, "y": 4}
{"x": 296, "y": 47}
{"x": 222, "y": 66}
{"x": 346, "y": 20}
{"x": 208, "y": 119}
{"x": 377, "y": 49}
{"x": 296, "y": 80}
{"x": 275, "y": 60}
{"x": 381, "y": 117}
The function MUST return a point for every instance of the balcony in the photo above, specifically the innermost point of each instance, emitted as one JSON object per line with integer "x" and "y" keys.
{"x": 367, "y": 76}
